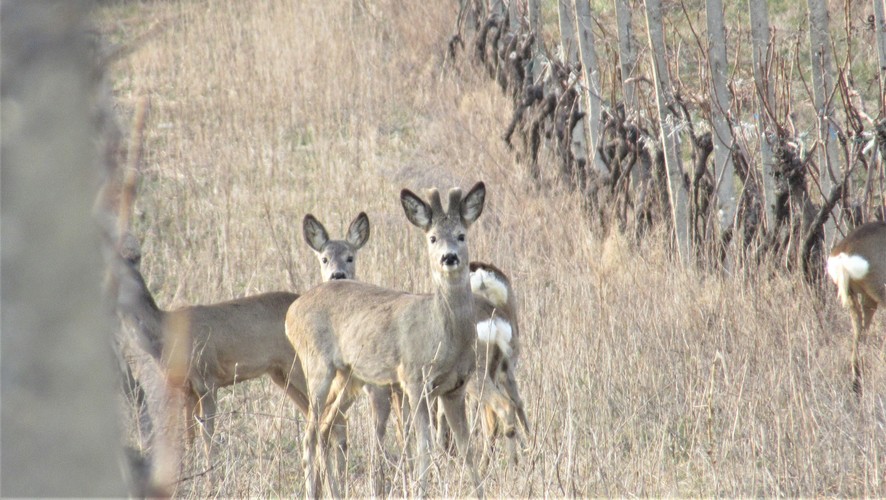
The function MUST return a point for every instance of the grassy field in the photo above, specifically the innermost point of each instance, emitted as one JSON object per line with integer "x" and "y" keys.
{"x": 640, "y": 377}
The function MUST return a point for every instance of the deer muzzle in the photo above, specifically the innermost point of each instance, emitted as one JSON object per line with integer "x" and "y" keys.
{"x": 449, "y": 260}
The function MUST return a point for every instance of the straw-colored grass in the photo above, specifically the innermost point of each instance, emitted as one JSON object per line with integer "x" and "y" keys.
{"x": 640, "y": 377}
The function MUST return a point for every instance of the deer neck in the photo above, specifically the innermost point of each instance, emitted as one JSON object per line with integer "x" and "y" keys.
{"x": 137, "y": 306}
{"x": 454, "y": 303}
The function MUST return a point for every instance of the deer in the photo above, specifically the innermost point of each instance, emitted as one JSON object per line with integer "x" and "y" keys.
{"x": 237, "y": 340}
{"x": 857, "y": 265}
{"x": 497, "y": 351}
{"x": 336, "y": 258}
{"x": 363, "y": 334}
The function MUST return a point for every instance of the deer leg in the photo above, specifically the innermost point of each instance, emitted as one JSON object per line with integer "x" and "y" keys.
{"x": 444, "y": 436}
{"x": 869, "y": 307}
{"x": 192, "y": 403}
{"x": 399, "y": 404}
{"x": 490, "y": 430}
{"x": 509, "y": 382}
{"x": 207, "y": 420}
{"x": 319, "y": 384}
{"x": 298, "y": 397}
{"x": 497, "y": 407}
{"x": 380, "y": 406}
{"x": 454, "y": 408}
{"x": 333, "y": 427}
{"x": 333, "y": 430}
{"x": 855, "y": 312}
{"x": 402, "y": 406}
{"x": 420, "y": 419}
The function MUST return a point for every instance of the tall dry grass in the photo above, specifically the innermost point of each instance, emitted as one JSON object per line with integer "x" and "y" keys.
{"x": 640, "y": 377}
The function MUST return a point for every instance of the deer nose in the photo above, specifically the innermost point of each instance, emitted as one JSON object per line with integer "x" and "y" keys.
{"x": 450, "y": 259}
{"x": 338, "y": 275}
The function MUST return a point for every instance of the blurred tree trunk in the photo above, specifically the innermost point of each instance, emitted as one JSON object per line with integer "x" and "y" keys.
{"x": 880, "y": 27}
{"x": 591, "y": 90}
{"x": 759, "y": 12}
{"x": 569, "y": 44}
{"x": 513, "y": 16}
{"x": 676, "y": 185}
{"x": 627, "y": 57}
{"x": 497, "y": 8}
{"x": 536, "y": 28}
{"x": 823, "y": 92}
{"x": 568, "y": 40}
{"x": 721, "y": 101}
{"x": 60, "y": 410}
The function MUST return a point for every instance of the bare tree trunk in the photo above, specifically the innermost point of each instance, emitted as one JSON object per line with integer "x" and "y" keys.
{"x": 569, "y": 45}
{"x": 880, "y": 27}
{"x": 59, "y": 414}
{"x": 759, "y": 12}
{"x": 568, "y": 40}
{"x": 497, "y": 9}
{"x": 513, "y": 16}
{"x": 536, "y": 28}
{"x": 627, "y": 57}
{"x": 823, "y": 88}
{"x": 721, "y": 100}
{"x": 590, "y": 72}
{"x": 676, "y": 186}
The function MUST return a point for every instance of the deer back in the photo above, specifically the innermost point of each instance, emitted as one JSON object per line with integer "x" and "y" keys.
{"x": 862, "y": 256}
{"x": 237, "y": 339}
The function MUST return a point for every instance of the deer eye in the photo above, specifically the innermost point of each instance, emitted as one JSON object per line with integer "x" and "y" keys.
{"x": 461, "y": 237}
{"x": 350, "y": 258}
{"x": 433, "y": 239}
{"x": 324, "y": 260}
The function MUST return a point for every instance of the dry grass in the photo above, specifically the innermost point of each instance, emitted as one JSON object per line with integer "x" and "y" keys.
{"x": 640, "y": 378}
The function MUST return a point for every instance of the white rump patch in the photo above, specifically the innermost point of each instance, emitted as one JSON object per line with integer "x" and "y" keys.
{"x": 487, "y": 285}
{"x": 844, "y": 267}
{"x": 498, "y": 331}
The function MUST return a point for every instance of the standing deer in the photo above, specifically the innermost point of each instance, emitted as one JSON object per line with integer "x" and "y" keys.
{"x": 365, "y": 334}
{"x": 233, "y": 341}
{"x": 858, "y": 266}
{"x": 497, "y": 351}
{"x": 336, "y": 259}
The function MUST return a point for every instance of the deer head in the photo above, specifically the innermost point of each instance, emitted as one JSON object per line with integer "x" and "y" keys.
{"x": 445, "y": 230}
{"x": 337, "y": 257}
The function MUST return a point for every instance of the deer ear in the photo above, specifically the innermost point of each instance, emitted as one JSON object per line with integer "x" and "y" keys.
{"x": 358, "y": 232}
{"x": 472, "y": 204}
{"x": 417, "y": 211}
{"x": 315, "y": 233}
